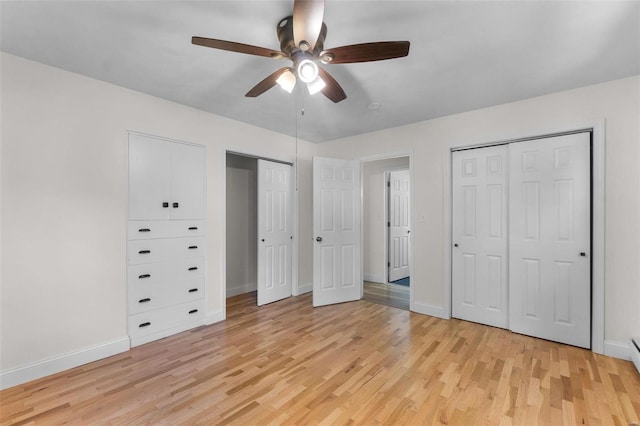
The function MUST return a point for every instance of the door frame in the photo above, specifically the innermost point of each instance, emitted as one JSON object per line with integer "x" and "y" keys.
{"x": 222, "y": 244}
{"x": 597, "y": 130}
{"x": 387, "y": 156}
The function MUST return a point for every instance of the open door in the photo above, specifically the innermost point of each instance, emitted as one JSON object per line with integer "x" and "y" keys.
{"x": 337, "y": 251}
{"x": 399, "y": 200}
{"x": 275, "y": 232}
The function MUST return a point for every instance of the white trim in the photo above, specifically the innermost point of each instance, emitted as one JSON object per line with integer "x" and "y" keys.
{"x": 304, "y": 288}
{"x": 427, "y": 309}
{"x": 241, "y": 289}
{"x": 62, "y": 362}
{"x": 598, "y": 217}
{"x": 617, "y": 350}
{"x": 374, "y": 278}
{"x": 213, "y": 317}
{"x": 635, "y": 354}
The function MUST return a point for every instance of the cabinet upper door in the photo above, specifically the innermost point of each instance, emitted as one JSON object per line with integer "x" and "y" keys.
{"x": 166, "y": 179}
{"x": 187, "y": 181}
{"x": 149, "y": 178}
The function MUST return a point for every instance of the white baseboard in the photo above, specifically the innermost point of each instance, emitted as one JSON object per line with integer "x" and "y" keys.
{"x": 617, "y": 350}
{"x": 63, "y": 362}
{"x": 427, "y": 309}
{"x": 213, "y": 317}
{"x": 634, "y": 350}
{"x": 375, "y": 278}
{"x": 304, "y": 288}
{"x": 241, "y": 289}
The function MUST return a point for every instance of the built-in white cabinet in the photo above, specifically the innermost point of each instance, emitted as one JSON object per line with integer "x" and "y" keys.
{"x": 166, "y": 179}
{"x": 165, "y": 237}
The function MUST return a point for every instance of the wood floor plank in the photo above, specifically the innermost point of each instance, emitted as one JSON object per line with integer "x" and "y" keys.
{"x": 352, "y": 363}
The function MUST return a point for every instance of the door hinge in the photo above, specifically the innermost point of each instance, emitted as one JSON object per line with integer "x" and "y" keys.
{"x": 388, "y": 264}
{"x": 389, "y": 184}
{"x": 388, "y": 224}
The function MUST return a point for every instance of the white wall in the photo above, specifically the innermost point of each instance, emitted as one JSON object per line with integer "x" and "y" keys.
{"x": 242, "y": 224}
{"x": 617, "y": 102}
{"x": 63, "y": 275}
{"x": 373, "y": 215}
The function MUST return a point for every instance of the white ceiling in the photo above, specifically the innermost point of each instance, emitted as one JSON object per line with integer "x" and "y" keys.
{"x": 464, "y": 55}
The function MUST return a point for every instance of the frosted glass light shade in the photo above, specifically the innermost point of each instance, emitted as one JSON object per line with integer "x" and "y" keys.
{"x": 287, "y": 81}
{"x": 316, "y": 85}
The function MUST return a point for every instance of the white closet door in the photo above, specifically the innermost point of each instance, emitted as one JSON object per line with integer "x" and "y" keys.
{"x": 337, "y": 251}
{"x": 275, "y": 233}
{"x": 550, "y": 239}
{"x": 187, "y": 183}
{"x": 479, "y": 255}
{"x": 399, "y": 200}
{"x": 149, "y": 177}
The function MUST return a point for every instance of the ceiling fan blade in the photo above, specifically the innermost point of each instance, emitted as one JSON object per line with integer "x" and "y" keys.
{"x": 232, "y": 46}
{"x": 265, "y": 84}
{"x": 307, "y": 21}
{"x": 367, "y": 52}
{"x": 332, "y": 90}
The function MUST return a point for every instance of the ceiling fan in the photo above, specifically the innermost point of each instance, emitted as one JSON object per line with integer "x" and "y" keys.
{"x": 301, "y": 39}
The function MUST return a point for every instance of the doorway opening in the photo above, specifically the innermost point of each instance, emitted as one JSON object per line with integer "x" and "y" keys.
{"x": 259, "y": 228}
{"x": 386, "y": 201}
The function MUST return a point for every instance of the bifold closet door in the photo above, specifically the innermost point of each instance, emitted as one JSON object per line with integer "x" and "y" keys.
{"x": 549, "y": 239}
{"x": 479, "y": 254}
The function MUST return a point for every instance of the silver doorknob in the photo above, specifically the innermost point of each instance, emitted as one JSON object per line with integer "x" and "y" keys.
{"x": 319, "y": 239}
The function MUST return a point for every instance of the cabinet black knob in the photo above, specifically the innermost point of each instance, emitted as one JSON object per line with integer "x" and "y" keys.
{"x": 144, "y": 324}
{"x": 144, "y": 276}
{"x": 262, "y": 240}
{"x": 144, "y": 252}
{"x": 193, "y": 311}
{"x": 165, "y": 205}
{"x": 583, "y": 254}
{"x": 193, "y": 268}
{"x": 193, "y": 290}
{"x": 175, "y": 205}
{"x": 455, "y": 245}
{"x": 145, "y": 300}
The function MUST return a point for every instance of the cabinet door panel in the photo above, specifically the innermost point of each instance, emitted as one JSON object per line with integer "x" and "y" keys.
{"x": 187, "y": 182}
{"x": 149, "y": 178}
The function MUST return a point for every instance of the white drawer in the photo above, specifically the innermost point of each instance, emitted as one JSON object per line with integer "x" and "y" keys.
{"x": 148, "y": 229}
{"x": 160, "y": 319}
{"x": 159, "y": 250}
{"x": 144, "y": 296}
{"x": 177, "y": 270}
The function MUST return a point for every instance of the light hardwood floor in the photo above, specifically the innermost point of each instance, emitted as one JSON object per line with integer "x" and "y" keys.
{"x": 352, "y": 363}
{"x": 386, "y": 294}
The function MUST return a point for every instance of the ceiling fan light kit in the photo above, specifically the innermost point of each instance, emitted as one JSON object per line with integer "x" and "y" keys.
{"x": 301, "y": 39}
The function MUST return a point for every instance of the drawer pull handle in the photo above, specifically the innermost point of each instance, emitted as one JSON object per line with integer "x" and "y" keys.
{"x": 176, "y": 205}
{"x": 144, "y": 276}
{"x": 193, "y": 247}
{"x": 144, "y": 252}
{"x": 165, "y": 205}
{"x": 144, "y": 324}
{"x": 193, "y": 311}
{"x": 193, "y": 268}
{"x": 144, "y": 230}
{"x": 193, "y": 290}
{"x": 193, "y": 228}
{"x": 145, "y": 300}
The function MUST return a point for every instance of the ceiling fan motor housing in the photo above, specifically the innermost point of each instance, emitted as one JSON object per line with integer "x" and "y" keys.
{"x": 288, "y": 44}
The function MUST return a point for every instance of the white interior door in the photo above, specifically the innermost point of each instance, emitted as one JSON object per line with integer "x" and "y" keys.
{"x": 399, "y": 202}
{"x": 550, "y": 239}
{"x": 479, "y": 231}
{"x": 337, "y": 251}
{"x": 275, "y": 232}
